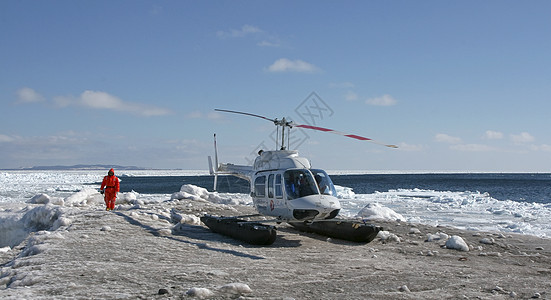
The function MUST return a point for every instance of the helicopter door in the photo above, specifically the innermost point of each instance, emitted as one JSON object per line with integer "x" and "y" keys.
{"x": 274, "y": 186}
{"x": 259, "y": 195}
{"x": 275, "y": 195}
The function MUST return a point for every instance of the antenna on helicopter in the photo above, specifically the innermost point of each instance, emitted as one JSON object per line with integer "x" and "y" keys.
{"x": 284, "y": 123}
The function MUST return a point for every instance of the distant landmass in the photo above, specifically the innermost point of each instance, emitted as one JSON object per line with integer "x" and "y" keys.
{"x": 80, "y": 167}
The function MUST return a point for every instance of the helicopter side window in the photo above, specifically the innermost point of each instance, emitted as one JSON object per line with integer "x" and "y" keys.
{"x": 260, "y": 186}
{"x": 324, "y": 182}
{"x": 299, "y": 183}
{"x": 271, "y": 186}
{"x": 278, "y": 191}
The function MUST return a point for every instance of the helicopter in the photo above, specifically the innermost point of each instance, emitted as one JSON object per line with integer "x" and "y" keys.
{"x": 283, "y": 184}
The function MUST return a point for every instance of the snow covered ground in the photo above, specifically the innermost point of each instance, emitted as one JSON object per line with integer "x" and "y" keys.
{"x": 142, "y": 251}
{"x": 57, "y": 242}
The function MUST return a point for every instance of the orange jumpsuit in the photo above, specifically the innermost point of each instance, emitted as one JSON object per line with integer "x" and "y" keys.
{"x": 111, "y": 185}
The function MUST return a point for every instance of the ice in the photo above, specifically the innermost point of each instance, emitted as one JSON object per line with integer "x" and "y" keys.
{"x": 227, "y": 289}
{"x": 375, "y": 211}
{"x": 436, "y": 237}
{"x": 36, "y": 201}
{"x": 38, "y": 209}
{"x": 189, "y": 191}
{"x": 84, "y": 197}
{"x": 388, "y": 236}
{"x": 465, "y": 210}
{"x": 40, "y": 200}
{"x": 16, "y": 227}
{"x": 457, "y": 242}
{"x": 344, "y": 192}
{"x": 235, "y": 288}
{"x": 12, "y": 232}
{"x": 20, "y": 186}
{"x": 176, "y": 217}
{"x": 199, "y": 292}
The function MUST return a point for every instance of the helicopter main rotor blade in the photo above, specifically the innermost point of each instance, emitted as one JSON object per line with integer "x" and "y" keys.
{"x": 244, "y": 113}
{"x": 361, "y": 138}
{"x": 285, "y": 123}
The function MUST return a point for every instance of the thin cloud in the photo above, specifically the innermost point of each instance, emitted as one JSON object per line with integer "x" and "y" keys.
{"x": 444, "y": 138}
{"x": 194, "y": 115}
{"x": 45, "y": 145}
{"x": 522, "y": 138}
{"x": 103, "y": 100}
{"x": 200, "y": 115}
{"x": 410, "y": 147}
{"x": 64, "y": 101}
{"x": 214, "y": 116}
{"x": 351, "y": 96}
{"x": 286, "y": 65}
{"x": 544, "y": 147}
{"x": 275, "y": 43}
{"x": 341, "y": 85}
{"x": 239, "y": 33}
{"x": 493, "y": 135}
{"x": 385, "y": 100}
{"x": 263, "y": 38}
{"x": 156, "y": 10}
{"x": 472, "y": 148}
{"x": 28, "y": 95}
{"x": 6, "y": 138}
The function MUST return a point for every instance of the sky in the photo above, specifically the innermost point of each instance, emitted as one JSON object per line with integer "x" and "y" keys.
{"x": 456, "y": 85}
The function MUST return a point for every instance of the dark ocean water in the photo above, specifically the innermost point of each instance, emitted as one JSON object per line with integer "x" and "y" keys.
{"x": 516, "y": 187}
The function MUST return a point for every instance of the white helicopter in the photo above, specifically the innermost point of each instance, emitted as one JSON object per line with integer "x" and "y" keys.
{"x": 283, "y": 184}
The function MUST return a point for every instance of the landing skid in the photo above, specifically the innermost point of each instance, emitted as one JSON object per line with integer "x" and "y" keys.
{"x": 348, "y": 230}
{"x": 256, "y": 233}
{"x": 248, "y": 231}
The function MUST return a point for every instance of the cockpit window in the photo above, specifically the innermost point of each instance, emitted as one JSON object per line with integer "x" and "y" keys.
{"x": 299, "y": 183}
{"x": 324, "y": 182}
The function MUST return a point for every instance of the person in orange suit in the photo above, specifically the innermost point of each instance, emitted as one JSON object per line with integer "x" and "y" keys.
{"x": 111, "y": 185}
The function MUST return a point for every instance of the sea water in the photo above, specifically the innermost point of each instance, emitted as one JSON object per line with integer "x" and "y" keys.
{"x": 519, "y": 203}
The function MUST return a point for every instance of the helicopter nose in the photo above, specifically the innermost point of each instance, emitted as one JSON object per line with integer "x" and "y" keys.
{"x": 314, "y": 207}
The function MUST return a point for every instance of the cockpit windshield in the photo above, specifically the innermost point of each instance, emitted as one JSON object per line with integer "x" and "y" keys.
{"x": 299, "y": 183}
{"x": 325, "y": 184}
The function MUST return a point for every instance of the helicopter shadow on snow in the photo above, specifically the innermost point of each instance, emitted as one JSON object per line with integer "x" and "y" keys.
{"x": 198, "y": 232}
{"x": 205, "y": 246}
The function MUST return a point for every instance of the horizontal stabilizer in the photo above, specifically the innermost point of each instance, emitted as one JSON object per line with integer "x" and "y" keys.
{"x": 241, "y": 171}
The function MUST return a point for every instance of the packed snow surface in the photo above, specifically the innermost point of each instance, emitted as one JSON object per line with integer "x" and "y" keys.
{"x": 38, "y": 209}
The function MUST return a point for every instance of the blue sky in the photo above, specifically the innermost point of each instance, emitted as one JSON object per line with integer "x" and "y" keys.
{"x": 458, "y": 86}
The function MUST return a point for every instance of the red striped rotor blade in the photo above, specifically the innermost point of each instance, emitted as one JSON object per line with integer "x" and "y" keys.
{"x": 361, "y": 138}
